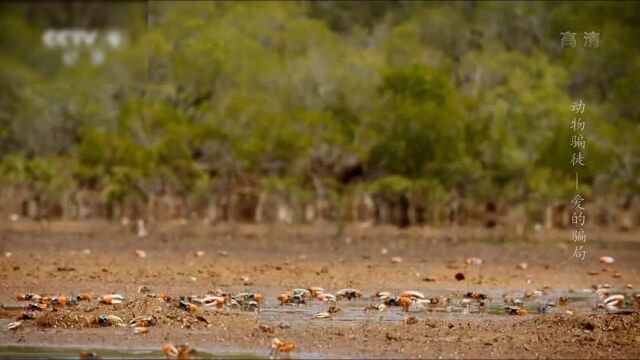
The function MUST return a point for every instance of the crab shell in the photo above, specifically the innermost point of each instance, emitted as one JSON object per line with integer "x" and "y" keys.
{"x": 522, "y": 312}
{"x": 405, "y": 302}
{"x": 84, "y": 297}
{"x": 170, "y": 350}
{"x": 284, "y": 298}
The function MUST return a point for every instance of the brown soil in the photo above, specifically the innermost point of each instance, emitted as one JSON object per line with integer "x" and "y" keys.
{"x": 48, "y": 259}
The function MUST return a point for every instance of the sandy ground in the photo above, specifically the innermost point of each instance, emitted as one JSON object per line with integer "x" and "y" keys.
{"x": 51, "y": 259}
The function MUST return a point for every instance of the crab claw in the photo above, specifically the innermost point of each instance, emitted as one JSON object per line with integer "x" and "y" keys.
{"x": 413, "y": 294}
{"x": 325, "y": 297}
{"x": 112, "y": 299}
{"x": 315, "y": 290}
{"x": 14, "y": 325}
{"x": 170, "y": 351}
{"x": 141, "y": 330}
{"x": 614, "y": 301}
{"x": 322, "y": 315}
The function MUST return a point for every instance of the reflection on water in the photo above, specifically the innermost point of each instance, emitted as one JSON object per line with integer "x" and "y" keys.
{"x": 353, "y": 311}
{"x": 63, "y": 352}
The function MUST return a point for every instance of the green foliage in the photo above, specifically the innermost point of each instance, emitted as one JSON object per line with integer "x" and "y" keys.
{"x": 423, "y": 99}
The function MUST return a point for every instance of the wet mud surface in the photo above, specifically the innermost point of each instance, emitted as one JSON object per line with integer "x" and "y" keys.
{"x": 191, "y": 260}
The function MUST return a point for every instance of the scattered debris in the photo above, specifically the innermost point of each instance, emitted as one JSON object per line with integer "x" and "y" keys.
{"x": 140, "y": 253}
{"x": 606, "y": 259}
{"x": 474, "y": 261}
{"x": 410, "y": 320}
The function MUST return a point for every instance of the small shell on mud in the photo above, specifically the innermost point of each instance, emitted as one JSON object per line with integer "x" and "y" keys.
{"x": 474, "y": 261}
{"x": 14, "y": 325}
{"x": 384, "y": 251}
{"x": 606, "y": 259}
{"x": 140, "y": 253}
{"x": 396, "y": 259}
{"x": 523, "y": 266}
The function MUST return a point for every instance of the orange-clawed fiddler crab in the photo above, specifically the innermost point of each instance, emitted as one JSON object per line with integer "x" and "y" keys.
{"x": 248, "y": 301}
{"x": 405, "y": 300}
{"x": 348, "y": 294}
{"x": 318, "y": 293}
{"x": 111, "y": 299}
{"x": 218, "y": 299}
{"x": 294, "y": 297}
{"x": 279, "y": 347}
{"x": 177, "y": 352}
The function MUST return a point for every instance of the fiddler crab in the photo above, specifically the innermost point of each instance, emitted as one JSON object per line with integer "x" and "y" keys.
{"x": 109, "y": 320}
{"x": 279, "y": 348}
{"x": 294, "y": 297}
{"x": 218, "y": 299}
{"x": 404, "y": 300}
{"x": 302, "y": 296}
{"x": 177, "y": 352}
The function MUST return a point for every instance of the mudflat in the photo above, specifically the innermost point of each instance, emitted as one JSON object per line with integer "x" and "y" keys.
{"x": 189, "y": 258}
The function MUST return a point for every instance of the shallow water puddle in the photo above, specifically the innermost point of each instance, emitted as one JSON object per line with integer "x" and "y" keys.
{"x": 353, "y": 311}
{"x": 63, "y": 352}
